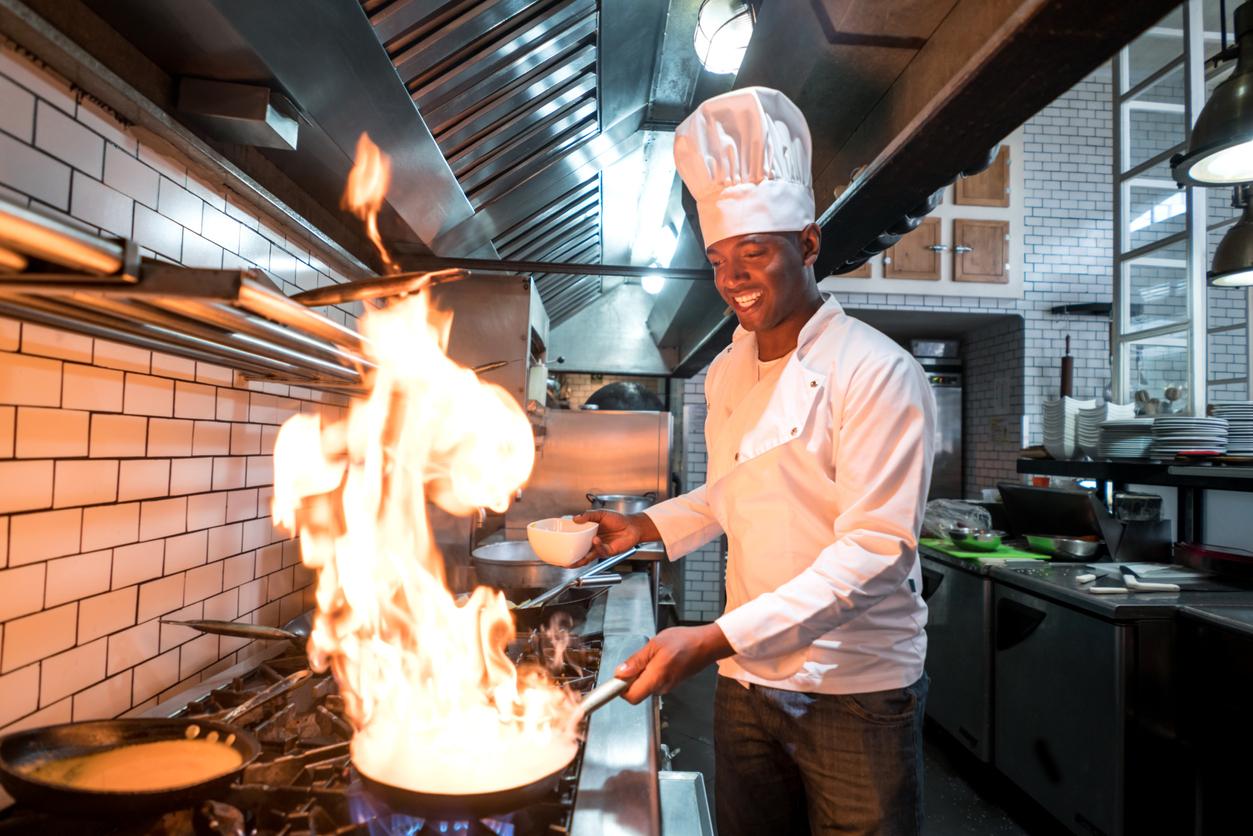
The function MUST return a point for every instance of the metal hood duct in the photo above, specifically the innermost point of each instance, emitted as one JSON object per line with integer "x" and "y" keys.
{"x": 908, "y": 93}
{"x": 325, "y": 59}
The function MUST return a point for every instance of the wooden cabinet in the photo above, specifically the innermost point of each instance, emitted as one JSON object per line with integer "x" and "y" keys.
{"x": 989, "y": 187}
{"x": 916, "y": 255}
{"x": 862, "y": 272}
{"x": 980, "y": 251}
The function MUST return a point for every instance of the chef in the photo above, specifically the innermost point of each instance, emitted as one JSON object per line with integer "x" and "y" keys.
{"x": 819, "y": 436}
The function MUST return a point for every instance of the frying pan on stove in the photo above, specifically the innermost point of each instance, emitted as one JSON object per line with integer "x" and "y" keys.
{"x": 482, "y": 805}
{"x": 23, "y": 751}
{"x": 572, "y": 601}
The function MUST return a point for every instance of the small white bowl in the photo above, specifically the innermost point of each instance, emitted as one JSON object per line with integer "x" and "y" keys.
{"x": 560, "y": 541}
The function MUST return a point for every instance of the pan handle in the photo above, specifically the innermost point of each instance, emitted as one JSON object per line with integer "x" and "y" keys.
{"x": 280, "y": 687}
{"x": 602, "y": 694}
{"x": 604, "y": 565}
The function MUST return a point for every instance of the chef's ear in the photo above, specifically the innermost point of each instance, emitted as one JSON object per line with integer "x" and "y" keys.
{"x": 811, "y": 243}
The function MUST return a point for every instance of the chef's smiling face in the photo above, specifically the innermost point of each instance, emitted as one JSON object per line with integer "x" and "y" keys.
{"x": 763, "y": 275}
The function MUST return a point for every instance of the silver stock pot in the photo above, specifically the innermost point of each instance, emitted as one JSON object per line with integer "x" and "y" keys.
{"x": 623, "y": 503}
{"x": 513, "y": 565}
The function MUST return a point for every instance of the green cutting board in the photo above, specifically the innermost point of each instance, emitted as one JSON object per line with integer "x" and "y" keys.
{"x": 1001, "y": 553}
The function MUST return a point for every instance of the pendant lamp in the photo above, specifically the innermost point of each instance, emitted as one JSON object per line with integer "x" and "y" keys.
{"x": 1220, "y": 150}
{"x": 1233, "y": 259}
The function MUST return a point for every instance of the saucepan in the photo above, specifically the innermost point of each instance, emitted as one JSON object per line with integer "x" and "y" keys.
{"x": 482, "y": 805}
{"x": 622, "y": 503}
{"x": 21, "y": 753}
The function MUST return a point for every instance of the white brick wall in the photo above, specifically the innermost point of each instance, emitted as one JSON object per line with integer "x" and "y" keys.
{"x": 133, "y": 485}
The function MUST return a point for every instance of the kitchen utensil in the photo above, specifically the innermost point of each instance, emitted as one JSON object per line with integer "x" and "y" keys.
{"x": 239, "y": 631}
{"x": 580, "y": 575}
{"x": 1068, "y": 372}
{"x": 22, "y": 751}
{"x": 481, "y": 805}
{"x": 561, "y": 541}
{"x": 976, "y": 539}
{"x": 1059, "y": 546}
{"x": 622, "y": 503}
{"x": 572, "y": 601}
{"x": 513, "y": 564}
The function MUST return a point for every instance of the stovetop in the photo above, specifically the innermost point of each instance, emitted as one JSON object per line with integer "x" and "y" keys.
{"x": 304, "y": 783}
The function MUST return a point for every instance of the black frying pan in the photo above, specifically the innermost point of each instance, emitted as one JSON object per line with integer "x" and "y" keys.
{"x": 483, "y": 805}
{"x": 22, "y": 751}
{"x": 572, "y": 601}
{"x": 469, "y": 806}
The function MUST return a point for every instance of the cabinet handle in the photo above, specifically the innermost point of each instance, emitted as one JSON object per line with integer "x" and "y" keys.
{"x": 931, "y": 581}
{"x": 962, "y": 248}
{"x": 1015, "y": 622}
{"x": 938, "y": 248}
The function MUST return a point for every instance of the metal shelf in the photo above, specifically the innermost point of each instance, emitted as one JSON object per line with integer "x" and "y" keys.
{"x": 1220, "y": 477}
{"x": 56, "y": 275}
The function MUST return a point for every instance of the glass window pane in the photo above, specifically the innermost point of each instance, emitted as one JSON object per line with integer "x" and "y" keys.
{"x": 1157, "y": 377}
{"x": 1228, "y": 351}
{"x": 1155, "y": 48}
{"x": 1218, "y": 208}
{"x": 1155, "y": 119}
{"x": 1219, "y": 392}
{"x": 1157, "y": 288}
{"x": 1156, "y": 208}
{"x": 1213, "y": 29}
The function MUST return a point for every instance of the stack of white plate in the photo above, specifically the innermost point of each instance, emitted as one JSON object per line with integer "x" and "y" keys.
{"x": 1239, "y": 415}
{"x": 1174, "y": 434}
{"x": 1060, "y": 424}
{"x": 1089, "y": 420}
{"x": 1128, "y": 438}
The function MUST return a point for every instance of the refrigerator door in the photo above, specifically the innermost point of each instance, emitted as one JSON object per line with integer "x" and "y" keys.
{"x": 946, "y": 473}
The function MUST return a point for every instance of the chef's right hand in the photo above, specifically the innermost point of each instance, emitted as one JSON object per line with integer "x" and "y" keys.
{"x": 616, "y": 532}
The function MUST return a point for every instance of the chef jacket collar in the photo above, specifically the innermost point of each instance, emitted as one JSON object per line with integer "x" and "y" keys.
{"x": 817, "y": 323}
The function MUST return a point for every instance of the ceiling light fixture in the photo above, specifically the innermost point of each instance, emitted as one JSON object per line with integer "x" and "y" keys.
{"x": 723, "y": 29}
{"x": 1220, "y": 148}
{"x": 1233, "y": 259}
{"x": 652, "y": 283}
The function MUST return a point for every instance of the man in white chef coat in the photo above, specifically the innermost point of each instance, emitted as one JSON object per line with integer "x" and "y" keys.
{"x": 819, "y": 436}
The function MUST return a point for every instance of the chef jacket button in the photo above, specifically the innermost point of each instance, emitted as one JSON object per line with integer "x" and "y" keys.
{"x": 813, "y": 384}
{"x": 793, "y": 430}
{"x": 737, "y": 457}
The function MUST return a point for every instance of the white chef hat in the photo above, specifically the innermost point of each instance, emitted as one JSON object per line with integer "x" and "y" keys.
{"x": 745, "y": 156}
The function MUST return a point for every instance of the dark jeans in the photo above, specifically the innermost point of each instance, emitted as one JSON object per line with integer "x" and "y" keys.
{"x": 794, "y": 763}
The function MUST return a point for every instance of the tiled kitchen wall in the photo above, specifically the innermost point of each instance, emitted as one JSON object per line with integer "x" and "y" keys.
{"x": 992, "y": 394}
{"x": 134, "y": 485}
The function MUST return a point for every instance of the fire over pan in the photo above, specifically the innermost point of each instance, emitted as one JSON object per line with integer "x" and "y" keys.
{"x": 483, "y": 805}
{"x": 22, "y": 751}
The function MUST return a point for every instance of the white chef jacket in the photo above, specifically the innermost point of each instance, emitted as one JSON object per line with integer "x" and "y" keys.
{"x": 820, "y": 488}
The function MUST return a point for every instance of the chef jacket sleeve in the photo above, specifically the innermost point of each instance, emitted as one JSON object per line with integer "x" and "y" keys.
{"x": 882, "y": 451}
{"x": 686, "y": 522}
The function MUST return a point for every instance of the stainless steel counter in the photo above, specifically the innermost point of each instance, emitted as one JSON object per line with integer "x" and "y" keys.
{"x": 1056, "y": 582}
{"x": 618, "y": 793}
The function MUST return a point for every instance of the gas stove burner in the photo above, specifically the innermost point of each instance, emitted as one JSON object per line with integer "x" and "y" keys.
{"x": 304, "y": 782}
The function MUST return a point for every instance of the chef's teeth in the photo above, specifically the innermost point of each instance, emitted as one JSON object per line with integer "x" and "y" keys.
{"x": 745, "y": 301}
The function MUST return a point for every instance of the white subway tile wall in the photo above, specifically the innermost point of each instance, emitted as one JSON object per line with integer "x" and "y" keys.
{"x": 133, "y": 484}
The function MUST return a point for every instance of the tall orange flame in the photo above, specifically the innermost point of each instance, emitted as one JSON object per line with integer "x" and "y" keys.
{"x": 367, "y": 186}
{"x": 436, "y": 703}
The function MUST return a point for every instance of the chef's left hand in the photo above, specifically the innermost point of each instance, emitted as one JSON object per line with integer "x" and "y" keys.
{"x": 670, "y": 657}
